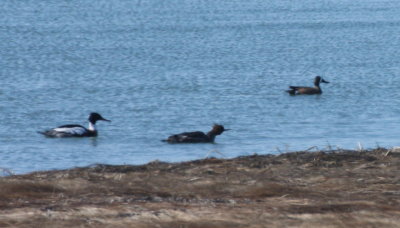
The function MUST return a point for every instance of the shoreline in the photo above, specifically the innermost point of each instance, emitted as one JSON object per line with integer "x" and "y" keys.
{"x": 343, "y": 188}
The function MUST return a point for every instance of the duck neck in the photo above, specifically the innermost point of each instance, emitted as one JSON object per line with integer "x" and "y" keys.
{"x": 91, "y": 126}
{"x": 318, "y": 87}
{"x": 211, "y": 135}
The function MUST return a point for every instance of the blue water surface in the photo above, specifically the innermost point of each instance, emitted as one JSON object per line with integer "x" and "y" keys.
{"x": 158, "y": 67}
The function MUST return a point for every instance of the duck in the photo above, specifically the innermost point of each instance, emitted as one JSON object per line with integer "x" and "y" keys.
{"x": 75, "y": 130}
{"x": 298, "y": 90}
{"x": 197, "y": 136}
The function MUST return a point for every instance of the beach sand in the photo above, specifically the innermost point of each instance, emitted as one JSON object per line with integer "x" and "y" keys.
{"x": 343, "y": 188}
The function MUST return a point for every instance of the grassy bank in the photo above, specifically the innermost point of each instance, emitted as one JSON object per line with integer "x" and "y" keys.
{"x": 343, "y": 188}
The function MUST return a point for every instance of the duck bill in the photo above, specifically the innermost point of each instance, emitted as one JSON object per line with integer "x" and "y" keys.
{"x": 105, "y": 120}
{"x": 324, "y": 81}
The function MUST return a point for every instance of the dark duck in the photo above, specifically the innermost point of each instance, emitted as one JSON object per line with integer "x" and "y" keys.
{"x": 197, "y": 136}
{"x": 74, "y": 130}
{"x": 298, "y": 90}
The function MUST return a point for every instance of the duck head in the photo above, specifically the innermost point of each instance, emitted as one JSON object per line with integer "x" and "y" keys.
{"x": 94, "y": 117}
{"x": 218, "y": 129}
{"x": 319, "y": 79}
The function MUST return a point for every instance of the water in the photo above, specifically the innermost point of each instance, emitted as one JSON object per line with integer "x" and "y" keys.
{"x": 160, "y": 67}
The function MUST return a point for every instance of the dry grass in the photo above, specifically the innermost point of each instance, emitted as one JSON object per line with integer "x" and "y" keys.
{"x": 302, "y": 189}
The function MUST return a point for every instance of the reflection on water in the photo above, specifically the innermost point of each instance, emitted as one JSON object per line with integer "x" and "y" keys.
{"x": 93, "y": 141}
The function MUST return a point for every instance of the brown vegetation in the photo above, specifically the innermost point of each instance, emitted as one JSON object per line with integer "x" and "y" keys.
{"x": 302, "y": 189}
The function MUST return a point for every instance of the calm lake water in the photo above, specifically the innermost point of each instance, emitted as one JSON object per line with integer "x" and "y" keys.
{"x": 158, "y": 67}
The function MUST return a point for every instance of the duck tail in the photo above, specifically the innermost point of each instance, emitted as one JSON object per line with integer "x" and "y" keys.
{"x": 291, "y": 92}
{"x": 46, "y": 133}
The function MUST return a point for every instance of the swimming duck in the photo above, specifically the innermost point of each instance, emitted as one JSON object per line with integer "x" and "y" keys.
{"x": 297, "y": 90}
{"x": 74, "y": 130}
{"x": 197, "y": 136}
